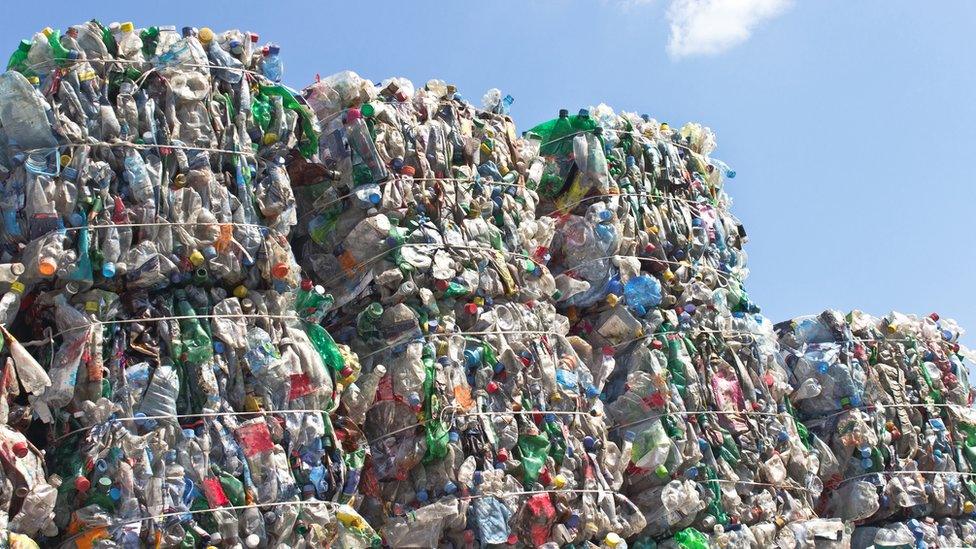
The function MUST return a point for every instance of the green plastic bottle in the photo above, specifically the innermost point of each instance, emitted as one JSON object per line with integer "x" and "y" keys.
{"x": 559, "y": 143}
{"x": 325, "y": 346}
{"x": 366, "y": 321}
{"x": 150, "y": 37}
{"x": 196, "y": 345}
{"x": 18, "y": 59}
{"x": 691, "y": 538}
{"x": 61, "y": 54}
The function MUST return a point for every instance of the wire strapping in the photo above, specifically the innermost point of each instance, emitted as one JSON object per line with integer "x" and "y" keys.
{"x": 123, "y": 522}
{"x": 626, "y": 194}
{"x": 360, "y": 265}
{"x": 703, "y": 412}
{"x": 188, "y": 416}
{"x": 906, "y": 472}
{"x": 140, "y": 146}
{"x": 154, "y": 65}
{"x": 417, "y": 337}
{"x": 881, "y": 406}
{"x": 487, "y": 182}
{"x": 175, "y": 317}
{"x": 160, "y": 224}
{"x": 454, "y": 415}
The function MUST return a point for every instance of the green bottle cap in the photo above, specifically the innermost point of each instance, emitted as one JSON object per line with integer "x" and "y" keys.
{"x": 367, "y": 110}
{"x": 25, "y": 45}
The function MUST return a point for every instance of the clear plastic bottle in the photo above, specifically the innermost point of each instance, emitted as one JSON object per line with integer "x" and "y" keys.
{"x": 271, "y": 66}
{"x": 130, "y": 46}
{"x": 140, "y": 185}
{"x": 160, "y": 396}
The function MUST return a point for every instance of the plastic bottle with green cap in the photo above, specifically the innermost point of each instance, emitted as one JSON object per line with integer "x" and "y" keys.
{"x": 18, "y": 59}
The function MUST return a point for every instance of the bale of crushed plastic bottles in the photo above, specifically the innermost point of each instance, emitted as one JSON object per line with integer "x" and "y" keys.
{"x": 167, "y": 360}
{"x": 889, "y": 404}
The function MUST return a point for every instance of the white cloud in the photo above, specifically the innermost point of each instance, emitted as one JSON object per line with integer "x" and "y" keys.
{"x": 708, "y": 27}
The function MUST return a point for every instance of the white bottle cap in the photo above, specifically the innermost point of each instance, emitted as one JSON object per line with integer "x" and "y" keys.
{"x": 252, "y": 541}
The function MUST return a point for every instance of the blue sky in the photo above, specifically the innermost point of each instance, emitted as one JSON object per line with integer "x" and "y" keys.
{"x": 850, "y": 123}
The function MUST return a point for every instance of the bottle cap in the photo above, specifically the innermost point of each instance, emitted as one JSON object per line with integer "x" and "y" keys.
{"x": 47, "y": 266}
{"x": 20, "y": 449}
{"x": 613, "y": 540}
{"x": 408, "y": 170}
{"x": 563, "y": 113}
{"x": 108, "y": 269}
{"x": 240, "y": 292}
{"x": 82, "y": 484}
{"x": 280, "y": 270}
{"x": 47, "y": 32}
{"x": 206, "y": 35}
{"x": 252, "y": 540}
{"x": 127, "y": 27}
{"x": 274, "y": 50}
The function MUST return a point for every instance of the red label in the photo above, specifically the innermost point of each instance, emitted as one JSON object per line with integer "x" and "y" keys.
{"x": 301, "y": 385}
{"x": 255, "y": 438}
{"x": 214, "y": 492}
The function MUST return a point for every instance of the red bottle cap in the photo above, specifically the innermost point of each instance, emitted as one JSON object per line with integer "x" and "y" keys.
{"x": 607, "y": 350}
{"x": 280, "y": 270}
{"x": 82, "y": 484}
{"x": 657, "y": 344}
{"x": 346, "y": 371}
{"x": 307, "y": 284}
{"x": 544, "y": 477}
{"x": 440, "y": 284}
{"x": 471, "y": 309}
{"x": 502, "y": 456}
{"x": 20, "y": 449}
{"x": 934, "y": 316}
{"x": 254, "y": 38}
{"x": 408, "y": 170}
{"x": 492, "y": 387}
{"x": 512, "y": 539}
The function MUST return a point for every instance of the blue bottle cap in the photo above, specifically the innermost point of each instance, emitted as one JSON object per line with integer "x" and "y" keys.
{"x": 588, "y": 442}
{"x": 476, "y": 478}
{"x": 218, "y": 347}
{"x": 450, "y": 488}
{"x": 422, "y": 496}
{"x": 108, "y": 269}
{"x": 115, "y": 494}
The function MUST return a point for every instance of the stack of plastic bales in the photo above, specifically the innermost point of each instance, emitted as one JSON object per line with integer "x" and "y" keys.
{"x": 146, "y": 210}
{"x": 482, "y": 422}
{"x": 889, "y": 402}
{"x": 649, "y": 264}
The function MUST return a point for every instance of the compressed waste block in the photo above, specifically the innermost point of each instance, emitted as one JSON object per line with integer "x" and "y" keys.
{"x": 888, "y": 403}
{"x": 686, "y": 368}
{"x": 165, "y": 358}
{"x": 556, "y": 344}
{"x": 420, "y": 224}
